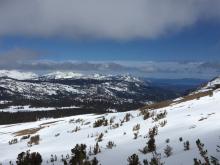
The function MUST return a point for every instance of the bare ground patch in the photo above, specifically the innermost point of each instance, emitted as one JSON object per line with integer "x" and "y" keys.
{"x": 48, "y": 123}
{"x": 31, "y": 131}
{"x": 27, "y": 131}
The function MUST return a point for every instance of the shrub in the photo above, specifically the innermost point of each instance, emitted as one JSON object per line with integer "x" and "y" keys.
{"x": 160, "y": 115}
{"x": 163, "y": 123}
{"x": 13, "y": 141}
{"x": 136, "y": 127}
{"x": 99, "y": 138}
{"x": 94, "y": 161}
{"x": 71, "y": 121}
{"x": 25, "y": 137}
{"x": 114, "y": 126}
{"x": 53, "y": 158}
{"x": 79, "y": 120}
{"x": 168, "y": 151}
{"x": 151, "y": 146}
{"x": 133, "y": 160}
{"x": 110, "y": 145}
{"x": 87, "y": 123}
{"x": 64, "y": 160}
{"x": 77, "y": 128}
{"x": 156, "y": 159}
{"x": 100, "y": 122}
{"x": 186, "y": 145}
{"x": 153, "y": 131}
{"x": 136, "y": 135}
{"x": 146, "y": 115}
{"x": 112, "y": 120}
{"x": 197, "y": 162}
{"x": 58, "y": 134}
{"x": 96, "y": 149}
{"x": 144, "y": 150}
{"x": 145, "y": 161}
{"x": 180, "y": 139}
{"x": 127, "y": 117}
{"x": 167, "y": 140}
{"x": 34, "y": 140}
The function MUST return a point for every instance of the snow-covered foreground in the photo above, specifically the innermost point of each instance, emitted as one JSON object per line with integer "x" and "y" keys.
{"x": 198, "y": 118}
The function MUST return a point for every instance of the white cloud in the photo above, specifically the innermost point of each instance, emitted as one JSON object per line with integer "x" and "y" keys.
{"x": 142, "y": 68}
{"x": 111, "y": 19}
{"x": 25, "y": 59}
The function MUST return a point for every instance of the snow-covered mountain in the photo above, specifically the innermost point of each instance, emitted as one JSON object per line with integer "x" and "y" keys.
{"x": 213, "y": 84}
{"x": 109, "y": 90}
{"x": 177, "y": 124}
{"x": 14, "y": 74}
{"x": 62, "y": 75}
{"x": 209, "y": 86}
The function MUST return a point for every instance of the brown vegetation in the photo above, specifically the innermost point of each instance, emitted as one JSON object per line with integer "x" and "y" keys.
{"x": 185, "y": 98}
{"x": 27, "y": 131}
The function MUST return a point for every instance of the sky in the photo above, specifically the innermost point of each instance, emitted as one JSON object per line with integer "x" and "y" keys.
{"x": 150, "y": 38}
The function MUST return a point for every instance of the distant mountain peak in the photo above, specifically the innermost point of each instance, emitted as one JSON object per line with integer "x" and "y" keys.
{"x": 63, "y": 75}
{"x": 14, "y": 74}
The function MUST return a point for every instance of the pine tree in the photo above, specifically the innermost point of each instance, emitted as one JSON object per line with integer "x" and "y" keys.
{"x": 78, "y": 155}
{"x": 151, "y": 144}
{"x": 27, "y": 158}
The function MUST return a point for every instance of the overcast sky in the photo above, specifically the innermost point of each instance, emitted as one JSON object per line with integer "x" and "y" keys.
{"x": 173, "y": 38}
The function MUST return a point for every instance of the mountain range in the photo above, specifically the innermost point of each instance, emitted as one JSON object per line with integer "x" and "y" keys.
{"x": 62, "y": 89}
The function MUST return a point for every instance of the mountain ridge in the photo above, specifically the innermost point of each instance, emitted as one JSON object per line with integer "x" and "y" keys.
{"x": 109, "y": 91}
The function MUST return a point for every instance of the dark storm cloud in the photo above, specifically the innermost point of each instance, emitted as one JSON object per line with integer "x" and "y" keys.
{"x": 111, "y": 19}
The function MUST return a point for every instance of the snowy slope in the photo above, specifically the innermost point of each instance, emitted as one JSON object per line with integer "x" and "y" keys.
{"x": 192, "y": 119}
